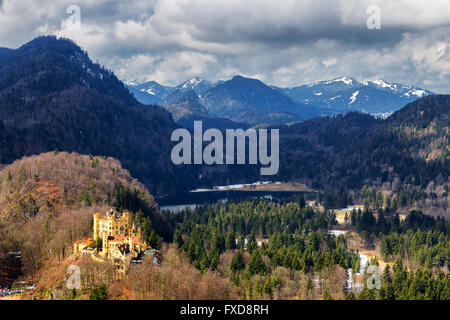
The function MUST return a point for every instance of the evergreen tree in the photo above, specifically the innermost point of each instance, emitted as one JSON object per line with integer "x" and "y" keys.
{"x": 257, "y": 265}
{"x": 237, "y": 262}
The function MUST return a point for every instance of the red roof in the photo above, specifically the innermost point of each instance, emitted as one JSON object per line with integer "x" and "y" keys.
{"x": 122, "y": 239}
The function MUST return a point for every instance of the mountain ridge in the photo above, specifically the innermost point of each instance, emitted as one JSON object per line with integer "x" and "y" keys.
{"x": 339, "y": 95}
{"x": 344, "y": 93}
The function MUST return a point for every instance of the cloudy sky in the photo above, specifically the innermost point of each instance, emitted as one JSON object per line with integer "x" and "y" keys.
{"x": 282, "y": 42}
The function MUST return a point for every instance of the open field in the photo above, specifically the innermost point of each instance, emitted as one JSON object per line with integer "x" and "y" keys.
{"x": 340, "y": 213}
{"x": 355, "y": 243}
{"x": 371, "y": 254}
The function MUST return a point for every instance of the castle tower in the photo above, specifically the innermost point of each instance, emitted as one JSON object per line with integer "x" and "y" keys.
{"x": 105, "y": 244}
{"x": 96, "y": 224}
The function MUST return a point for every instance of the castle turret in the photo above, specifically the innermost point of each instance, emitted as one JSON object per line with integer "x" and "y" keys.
{"x": 96, "y": 224}
{"x": 105, "y": 244}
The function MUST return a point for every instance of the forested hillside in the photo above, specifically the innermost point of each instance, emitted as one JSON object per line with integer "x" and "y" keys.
{"x": 284, "y": 250}
{"x": 47, "y": 201}
{"x": 407, "y": 154}
{"x": 52, "y": 96}
{"x": 345, "y": 151}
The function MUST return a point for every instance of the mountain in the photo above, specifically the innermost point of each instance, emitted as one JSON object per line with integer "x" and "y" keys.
{"x": 183, "y": 104}
{"x": 144, "y": 97}
{"x": 181, "y": 101}
{"x": 154, "y": 93}
{"x": 252, "y": 101}
{"x": 211, "y": 123}
{"x": 249, "y": 100}
{"x": 196, "y": 84}
{"x": 345, "y": 94}
{"x": 185, "y": 107}
{"x": 154, "y": 88}
{"x": 239, "y": 100}
{"x": 52, "y": 96}
{"x": 149, "y": 92}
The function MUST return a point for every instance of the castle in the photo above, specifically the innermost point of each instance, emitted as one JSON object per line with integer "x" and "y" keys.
{"x": 121, "y": 241}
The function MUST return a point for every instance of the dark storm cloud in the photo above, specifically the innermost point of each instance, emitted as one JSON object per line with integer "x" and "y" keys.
{"x": 281, "y": 42}
{"x": 349, "y": 35}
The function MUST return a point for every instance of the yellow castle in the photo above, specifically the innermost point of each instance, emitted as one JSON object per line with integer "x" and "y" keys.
{"x": 121, "y": 240}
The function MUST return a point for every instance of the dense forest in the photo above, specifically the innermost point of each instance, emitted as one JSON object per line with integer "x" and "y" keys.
{"x": 53, "y": 96}
{"x": 278, "y": 250}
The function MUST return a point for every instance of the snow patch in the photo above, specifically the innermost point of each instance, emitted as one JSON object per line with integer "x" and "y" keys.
{"x": 192, "y": 82}
{"x": 416, "y": 92}
{"x": 384, "y": 84}
{"x": 131, "y": 82}
{"x": 344, "y": 80}
{"x": 353, "y": 97}
{"x": 235, "y": 186}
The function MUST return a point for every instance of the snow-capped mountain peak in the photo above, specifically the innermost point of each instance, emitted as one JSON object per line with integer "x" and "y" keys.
{"x": 339, "y": 95}
{"x": 342, "y": 80}
{"x": 416, "y": 92}
{"x": 403, "y": 90}
{"x": 384, "y": 84}
{"x": 198, "y": 84}
{"x": 193, "y": 82}
{"x": 346, "y": 80}
{"x": 345, "y": 93}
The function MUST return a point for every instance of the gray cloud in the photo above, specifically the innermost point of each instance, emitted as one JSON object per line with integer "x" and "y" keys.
{"x": 281, "y": 42}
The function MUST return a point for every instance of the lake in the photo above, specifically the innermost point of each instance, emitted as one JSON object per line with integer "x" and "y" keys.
{"x": 178, "y": 202}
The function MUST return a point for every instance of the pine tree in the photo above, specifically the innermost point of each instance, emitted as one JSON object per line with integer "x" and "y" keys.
{"x": 268, "y": 286}
{"x": 256, "y": 265}
{"x": 237, "y": 262}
